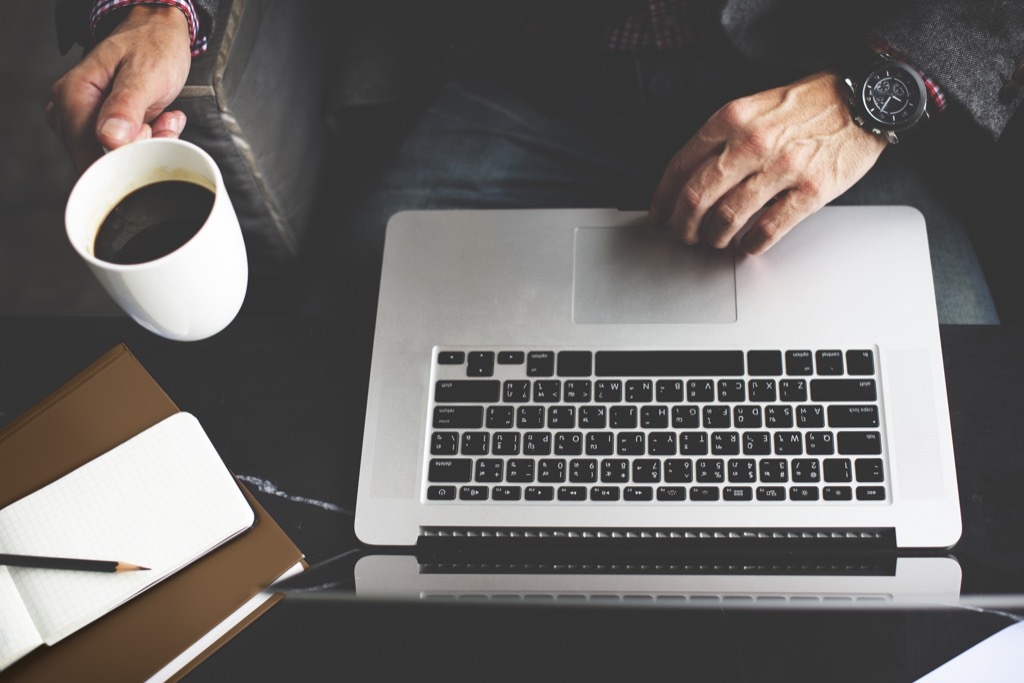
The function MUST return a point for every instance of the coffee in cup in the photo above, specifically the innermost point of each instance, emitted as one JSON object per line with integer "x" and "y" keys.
{"x": 153, "y": 222}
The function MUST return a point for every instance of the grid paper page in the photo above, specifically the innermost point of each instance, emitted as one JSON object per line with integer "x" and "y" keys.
{"x": 161, "y": 500}
{"x": 18, "y": 635}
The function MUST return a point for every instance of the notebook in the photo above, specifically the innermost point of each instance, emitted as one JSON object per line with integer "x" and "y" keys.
{"x": 163, "y": 498}
{"x": 544, "y": 377}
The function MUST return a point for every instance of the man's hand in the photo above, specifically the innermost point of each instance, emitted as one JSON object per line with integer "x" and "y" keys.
{"x": 793, "y": 149}
{"x": 118, "y": 92}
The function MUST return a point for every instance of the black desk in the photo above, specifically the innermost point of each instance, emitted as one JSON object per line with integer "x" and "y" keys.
{"x": 282, "y": 399}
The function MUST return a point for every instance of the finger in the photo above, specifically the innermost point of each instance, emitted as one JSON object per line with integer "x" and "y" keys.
{"x": 126, "y": 109}
{"x": 145, "y": 133}
{"x": 75, "y": 100}
{"x": 698, "y": 149}
{"x": 736, "y": 207}
{"x": 779, "y": 218}
{"x": 168, "y": 125}
{"x": 702, "y": 191}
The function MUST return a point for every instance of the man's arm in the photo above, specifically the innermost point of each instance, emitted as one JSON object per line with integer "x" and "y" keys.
{"x": 137, "y": 58}
{"x": 791, "y": 150}
{"x": 970, "y": 48}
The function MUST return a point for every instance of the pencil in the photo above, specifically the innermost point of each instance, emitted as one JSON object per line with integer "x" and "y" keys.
{"x": 69, "y": 563}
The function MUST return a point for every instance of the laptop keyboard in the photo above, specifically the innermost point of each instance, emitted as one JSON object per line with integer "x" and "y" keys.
{"x": 792, "y": 426}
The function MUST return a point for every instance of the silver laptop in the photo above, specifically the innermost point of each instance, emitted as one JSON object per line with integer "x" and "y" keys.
{"x": 869, "y": 580}
{"x": 551, "y": 377}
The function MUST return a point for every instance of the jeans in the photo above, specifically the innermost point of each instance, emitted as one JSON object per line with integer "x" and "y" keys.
{"x": 526, "y": 125}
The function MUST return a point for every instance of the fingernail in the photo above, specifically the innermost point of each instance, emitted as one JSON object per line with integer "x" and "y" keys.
{"x": 178, "y": 124}
{"x": 117, "y": 129}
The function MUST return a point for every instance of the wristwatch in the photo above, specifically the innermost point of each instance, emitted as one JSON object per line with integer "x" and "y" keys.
{"x": 886, "y": 96}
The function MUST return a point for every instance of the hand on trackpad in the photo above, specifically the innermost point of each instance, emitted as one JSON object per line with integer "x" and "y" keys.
{"x": 636, "y": 274}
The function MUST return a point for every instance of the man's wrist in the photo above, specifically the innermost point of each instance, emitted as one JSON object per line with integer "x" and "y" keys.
{"x": 936, "y": 98}
{"x": 886, "y": 96}
{"x": 105, "y": 15}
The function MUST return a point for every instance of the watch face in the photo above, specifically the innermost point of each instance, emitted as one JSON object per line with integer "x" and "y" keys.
{"x": 894, "y": 96}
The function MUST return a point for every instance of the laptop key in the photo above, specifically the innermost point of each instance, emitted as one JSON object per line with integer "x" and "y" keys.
{"x": 572, "y": 493}
{"x": 511, "y": 358}
{"x": 771, "y": 493}
{"x": 704, "y": 493}
{"x": 679, "y": 471}
{"x": 473, "y": 493}
{"x": 860, "y": 362}
{"x": 671, "y": 493}
{"x": 829, "y": 362}
{"x": 500, "y": 417}
{"x": 823, "y": 390}
{"x": 638, "y": 493}
{"x": 540, "y": 364}
{"x": 481, "y": 364}
{"x": 853, "y": 416}
{"x": 451, "y": 357}
{"x": 444, "y": 443}
{"x": 869, "y": 470}
{"x": 606, "y": 493}
{"x": 803, "y": 493}
{"x": 506, "y": 493}
{"x": 516, "y": 391}
{"x": 859, "y": 443}
{"x": 870, "y": 493}
{"x": 799, "y": 363}
{"x": 837, "y": 493}
{"x": 737, "y": 493}
{"x": 450, "y": 470}
{"x": 764, "y": 363}
{"x": 574, "y": 363}
{"x": 505, "y": 443}
{"x": 441, "y": 493}
{"x": 519, "y": 470}
{"x": 540, "y": 493}
{"x": 467, "y": 391}
{"x": 838, "y": 470}
{"x": 489, "y": 470}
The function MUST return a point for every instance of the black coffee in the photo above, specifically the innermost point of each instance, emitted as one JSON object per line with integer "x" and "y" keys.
{"x": 153, "y": 221}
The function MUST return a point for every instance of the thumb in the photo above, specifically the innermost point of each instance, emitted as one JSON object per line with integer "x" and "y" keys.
{"x": 123, "y": 114}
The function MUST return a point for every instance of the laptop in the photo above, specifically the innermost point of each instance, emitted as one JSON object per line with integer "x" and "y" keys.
{"x": 862, "y": 580}
{"x": 552, "y": 378}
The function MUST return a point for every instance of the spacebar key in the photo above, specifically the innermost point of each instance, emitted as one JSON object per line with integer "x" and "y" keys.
{"x": 467, "y": 391}
{"x": 668, "y": 363}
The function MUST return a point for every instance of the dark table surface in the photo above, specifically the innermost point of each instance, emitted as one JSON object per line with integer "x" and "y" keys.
{"x": 283, "y": 399}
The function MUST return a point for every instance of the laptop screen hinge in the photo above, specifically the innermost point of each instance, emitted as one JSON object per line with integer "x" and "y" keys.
{"x": 689, "y": 539}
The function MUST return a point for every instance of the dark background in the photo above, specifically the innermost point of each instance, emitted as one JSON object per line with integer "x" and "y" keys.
{"x": 39, "y": 272}
{"x": 41, "y": 275}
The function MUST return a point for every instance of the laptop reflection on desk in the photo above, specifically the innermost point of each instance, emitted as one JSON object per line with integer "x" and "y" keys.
{"x": 776, "y": 582}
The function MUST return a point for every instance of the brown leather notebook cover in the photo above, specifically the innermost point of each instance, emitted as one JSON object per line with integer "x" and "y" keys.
{"x": 104, "y": 405}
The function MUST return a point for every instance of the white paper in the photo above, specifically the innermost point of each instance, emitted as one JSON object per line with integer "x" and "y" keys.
{"x": 18, "y": 634}
{"x": 997, "y": 659}
{"x": 161, "y": 500}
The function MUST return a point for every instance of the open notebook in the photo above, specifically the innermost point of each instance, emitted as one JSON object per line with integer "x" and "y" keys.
{"x": 163, "y": 498}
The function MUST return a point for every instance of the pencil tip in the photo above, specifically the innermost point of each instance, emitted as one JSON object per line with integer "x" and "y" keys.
{"x": 127, "y": 567}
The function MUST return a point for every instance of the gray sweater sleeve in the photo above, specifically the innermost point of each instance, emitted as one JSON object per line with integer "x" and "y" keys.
{"x": 970, "y": 48}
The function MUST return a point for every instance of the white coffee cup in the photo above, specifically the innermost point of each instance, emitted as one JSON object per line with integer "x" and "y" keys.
{"x": 194, "y": 291}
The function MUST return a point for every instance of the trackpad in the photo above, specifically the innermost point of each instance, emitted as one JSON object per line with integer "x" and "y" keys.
{"x": 637, "y": 274}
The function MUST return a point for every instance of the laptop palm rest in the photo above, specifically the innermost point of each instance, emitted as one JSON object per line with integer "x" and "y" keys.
{"x": 640, "y": 275}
